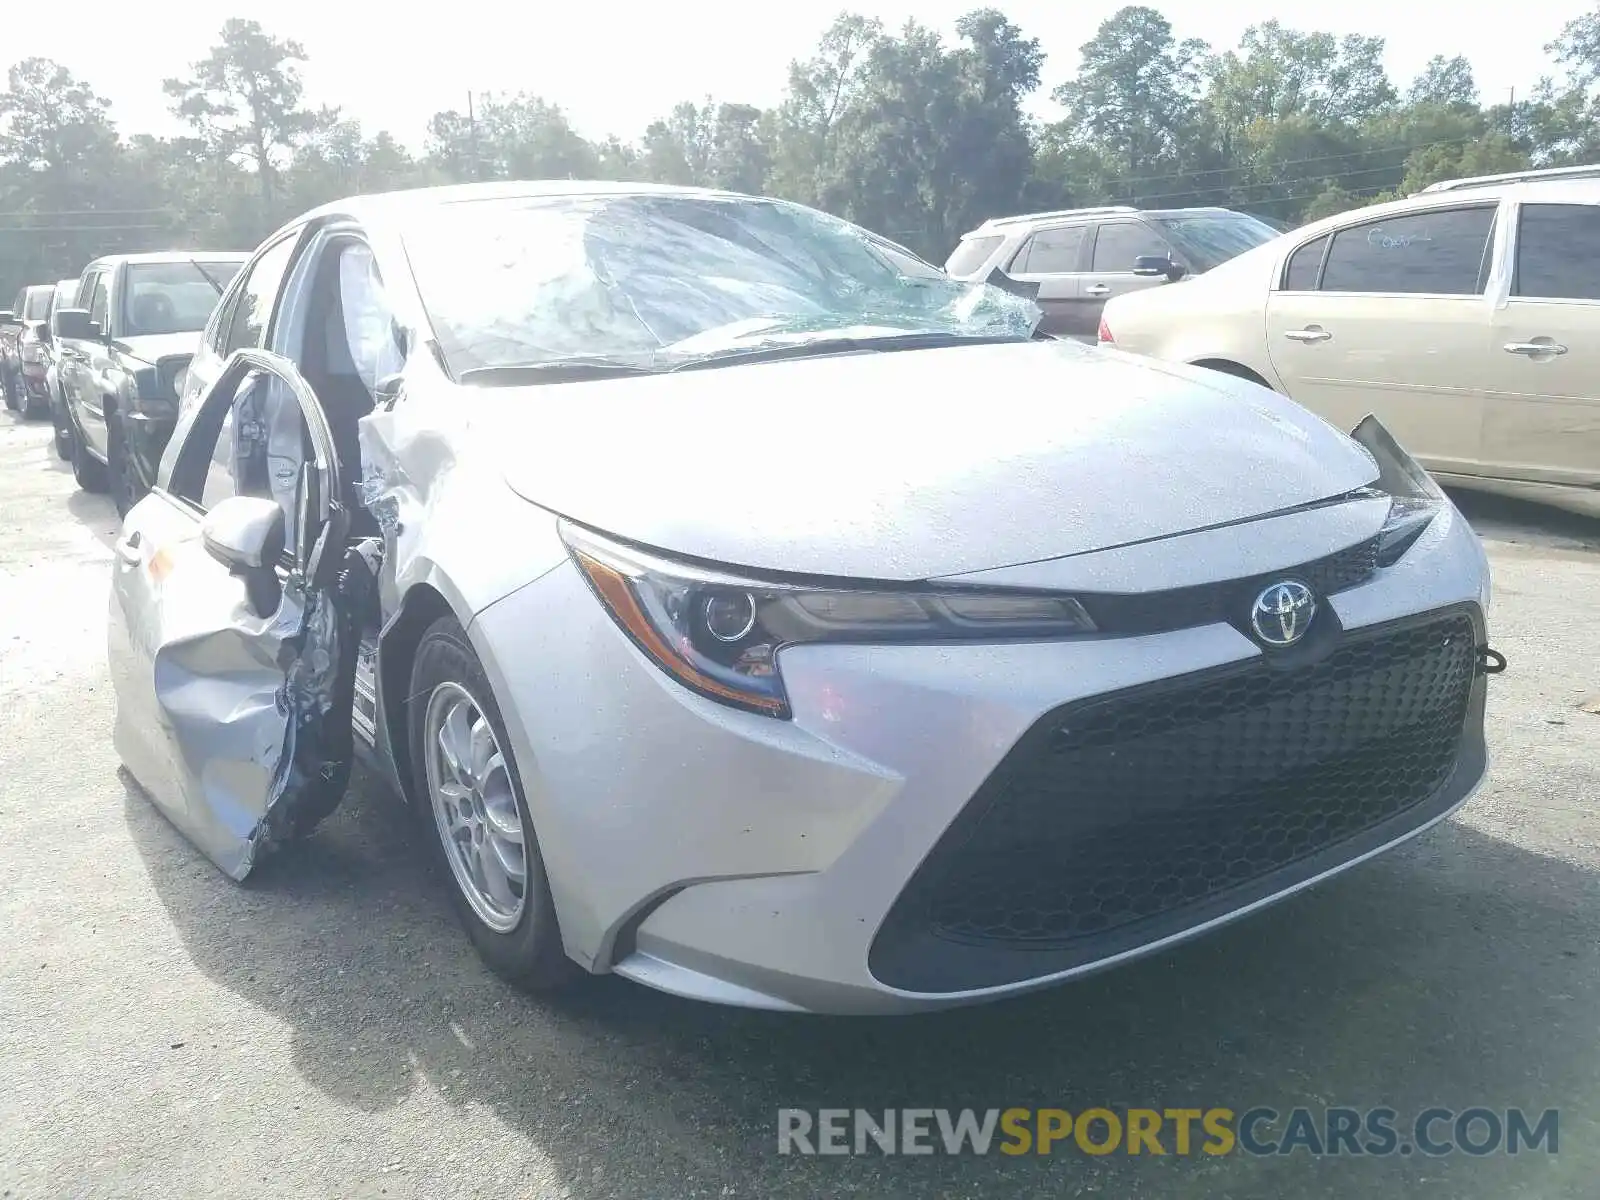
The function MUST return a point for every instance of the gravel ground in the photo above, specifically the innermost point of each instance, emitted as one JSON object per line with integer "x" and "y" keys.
{"x": 326, "y": 1032}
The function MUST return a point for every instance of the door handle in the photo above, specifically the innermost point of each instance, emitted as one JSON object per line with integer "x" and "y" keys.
{"x": 128, "y": 549}
{"x": 1530, "y": 349}
{"x": 1311, "y": 333}
{"x": 1096, "y": 289}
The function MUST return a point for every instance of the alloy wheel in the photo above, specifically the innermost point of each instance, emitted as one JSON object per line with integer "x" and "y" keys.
{"x": 475, "y": 807}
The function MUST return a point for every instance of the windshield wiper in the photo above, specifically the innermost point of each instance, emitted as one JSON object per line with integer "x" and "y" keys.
{"x": 206, "y": 275}
{"x": 842, "y": 345}
{"x": 558, "y": 370}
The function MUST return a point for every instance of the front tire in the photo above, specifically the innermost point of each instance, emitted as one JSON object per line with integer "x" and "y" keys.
{"x": 124, "y": 484}
{"x": 87, "y": 470}
{"x": 32, "y": 408}
{"x": 58, "y": 418}
{"x": 470, "y": 799}
{"x": 9, "y": 383}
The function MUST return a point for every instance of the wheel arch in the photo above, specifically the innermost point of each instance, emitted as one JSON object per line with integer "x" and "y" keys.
{"x": 1228, "y": 366}
{"x": 422, "y": 605}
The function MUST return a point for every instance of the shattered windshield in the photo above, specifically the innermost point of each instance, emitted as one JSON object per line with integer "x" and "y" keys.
{"x": 657, "y": 281}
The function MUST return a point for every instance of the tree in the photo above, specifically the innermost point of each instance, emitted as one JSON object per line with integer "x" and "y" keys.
{"x": 1447, "y": 82}
{"x": 59, "y": 152}
{"x": 521, "y": 136}
{"x": 678, "y": 148}
{"x": 1278, "y": 73}
{"x": 244, "y": 101}
{"x": 1135, "y": 95}
{"x": 821, "y": 91}
{"x": 1578, "y": 49}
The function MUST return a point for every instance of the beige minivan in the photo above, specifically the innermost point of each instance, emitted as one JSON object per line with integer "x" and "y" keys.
{"x": 1466, "y": 317}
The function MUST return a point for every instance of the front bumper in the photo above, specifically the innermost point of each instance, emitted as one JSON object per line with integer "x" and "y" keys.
{"x": 734, "y": 858}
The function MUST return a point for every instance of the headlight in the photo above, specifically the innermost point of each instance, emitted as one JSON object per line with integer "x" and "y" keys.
{"x": 1414, "y": 498}
{"x": 719, "y": 634}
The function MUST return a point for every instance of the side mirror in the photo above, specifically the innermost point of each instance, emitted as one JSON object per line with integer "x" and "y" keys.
{"x": 245, "y": 533}
{"x": 8, "y": 319}
{"x": 74, "y": 323}
{"x": 1153, "y": 266}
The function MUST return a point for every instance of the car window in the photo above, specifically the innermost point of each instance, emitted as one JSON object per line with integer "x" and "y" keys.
{"x": 1437, "y": 253}
{"x": 1119, "y": 243}
{"x": 1301, "y": 273}
{"x": 99, "y": 299}
{"x": 971, "y": 254}
{"x": 66, "y": 293}
{"x": 19, "y": 303}
{"x": 37, "y": 306}
{"x": 172, "y": 297}
{"x": 252, "y": 310}
{"x": 1558, "y": 252}
{"x": 1051, "y": 252}
{"x": 1208, "y": 240}
{"x": 255, "y": 450}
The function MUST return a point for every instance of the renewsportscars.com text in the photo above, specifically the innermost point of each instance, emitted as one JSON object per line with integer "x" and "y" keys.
{"x": 1333, "y": 1131}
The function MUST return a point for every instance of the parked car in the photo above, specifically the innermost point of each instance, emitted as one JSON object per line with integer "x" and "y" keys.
{"x": 122, "y": 360}
{"x": 23, "y": 368}
{"x": 65, "y": 295}
{"x": 1467, "y": 317}
{"x": 1081, "y": 257}
{"x": 954, "y": 698}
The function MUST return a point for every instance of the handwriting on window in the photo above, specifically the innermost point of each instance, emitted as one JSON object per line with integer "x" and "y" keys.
{"x": 1387, "y": 239}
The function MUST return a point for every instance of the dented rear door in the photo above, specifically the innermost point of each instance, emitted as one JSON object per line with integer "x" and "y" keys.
{"x": 233, "y": 696}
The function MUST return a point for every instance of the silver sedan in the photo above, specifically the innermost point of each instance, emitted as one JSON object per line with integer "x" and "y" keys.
{"x": 756, "y": 613}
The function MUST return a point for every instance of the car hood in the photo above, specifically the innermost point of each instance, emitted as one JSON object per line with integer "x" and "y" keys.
{"x": 915, "y": 464}
{"x": 152, "y": 347}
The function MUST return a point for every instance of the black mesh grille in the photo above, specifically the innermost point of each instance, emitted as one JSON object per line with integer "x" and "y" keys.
{"x": 1137, "y": 807}
{"x": 1210, "y": 603}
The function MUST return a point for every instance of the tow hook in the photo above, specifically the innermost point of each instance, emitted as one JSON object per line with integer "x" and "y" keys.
{"x": 1490, "y": 662}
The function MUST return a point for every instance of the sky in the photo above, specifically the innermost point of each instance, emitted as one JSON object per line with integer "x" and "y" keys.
{"x": 614, "y": 67}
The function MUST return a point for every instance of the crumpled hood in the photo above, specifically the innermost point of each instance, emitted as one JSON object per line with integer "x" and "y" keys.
{"x": 910, "y": 465}
{"x": 151, "y": 347}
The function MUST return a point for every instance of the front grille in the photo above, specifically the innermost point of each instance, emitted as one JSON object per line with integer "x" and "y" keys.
{"x": 1212, "y": 603}
{"x": 1131, "y": 810}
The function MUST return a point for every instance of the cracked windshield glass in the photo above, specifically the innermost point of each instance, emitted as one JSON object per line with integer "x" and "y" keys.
{"x": 659, "y": 281}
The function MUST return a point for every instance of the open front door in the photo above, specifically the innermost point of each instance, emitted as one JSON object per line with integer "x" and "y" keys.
{"x": 233, "y": 619}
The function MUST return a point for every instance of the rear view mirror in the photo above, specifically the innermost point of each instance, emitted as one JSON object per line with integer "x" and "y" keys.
{"x": 245, "y": 533}
{"x": 73, "y": 323}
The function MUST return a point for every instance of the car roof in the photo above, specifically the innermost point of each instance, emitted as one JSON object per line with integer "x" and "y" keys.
{"x": 1027, "y": 222}
{"x": 171, "y": 256}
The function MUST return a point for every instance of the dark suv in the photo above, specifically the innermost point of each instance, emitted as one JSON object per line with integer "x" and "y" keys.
{"x": 1081, "y": 257}
{"x": 121, "y": 360}
{"x": 23, "y": 366}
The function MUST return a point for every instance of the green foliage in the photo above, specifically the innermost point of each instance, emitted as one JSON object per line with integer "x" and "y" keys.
{"x": 917, "y": 135}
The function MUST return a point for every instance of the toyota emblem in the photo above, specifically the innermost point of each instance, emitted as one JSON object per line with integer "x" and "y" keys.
{"x": 1282, "y": 613}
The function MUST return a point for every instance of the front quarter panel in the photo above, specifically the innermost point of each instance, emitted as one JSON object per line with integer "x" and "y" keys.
{"x": 447, "y": 516}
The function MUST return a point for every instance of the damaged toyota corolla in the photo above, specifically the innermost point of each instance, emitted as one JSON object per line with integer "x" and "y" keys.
{"x": 753, "y": 614}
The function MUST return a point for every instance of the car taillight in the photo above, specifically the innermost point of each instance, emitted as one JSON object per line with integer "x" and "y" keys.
{"x": 1105, "y": 331}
